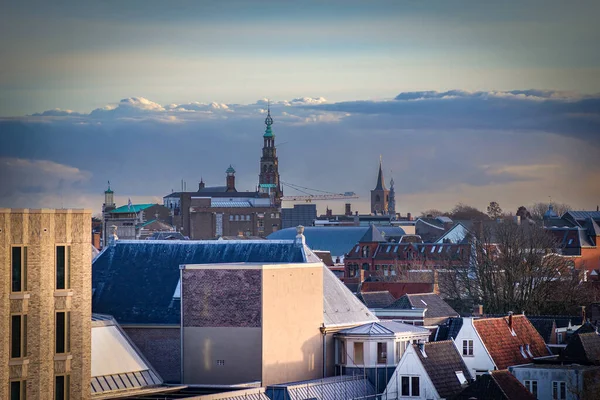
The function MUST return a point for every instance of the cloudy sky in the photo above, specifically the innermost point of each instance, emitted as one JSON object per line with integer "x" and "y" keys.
{"x": 465, "y": 101}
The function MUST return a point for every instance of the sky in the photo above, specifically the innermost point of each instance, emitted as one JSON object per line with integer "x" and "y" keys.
{"x": 465, "y": 101}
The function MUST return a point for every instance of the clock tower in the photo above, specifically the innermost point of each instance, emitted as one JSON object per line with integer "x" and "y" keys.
{"x": 268, "y": 179}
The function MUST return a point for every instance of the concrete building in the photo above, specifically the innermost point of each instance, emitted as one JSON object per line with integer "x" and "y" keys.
{"x": 45, "y": 304}
{"x": 139, "y": 283}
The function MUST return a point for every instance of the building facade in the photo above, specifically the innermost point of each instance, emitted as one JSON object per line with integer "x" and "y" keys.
{"x": 45, "y": 304}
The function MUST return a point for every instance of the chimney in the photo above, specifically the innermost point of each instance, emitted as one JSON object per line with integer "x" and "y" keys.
{"x": 348, "y": 209}
{"x": 510, "y": 320}
{"x": 436, "y": 285}
{"x": 478, "y": 310}
{"x": 582, "y": 315}
{"x": 517, "y": 219}
{"x": 300, "y": 239}
{"x": 409, "y": 216}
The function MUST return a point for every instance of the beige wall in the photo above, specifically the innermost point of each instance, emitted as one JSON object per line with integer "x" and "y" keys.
{"x": 41, "y": 231}
{"x": 292, "y": 347}
{"x": 240, "y": 348}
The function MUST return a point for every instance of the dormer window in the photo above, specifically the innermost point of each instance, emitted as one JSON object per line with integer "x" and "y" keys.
{"x": 528, "y": 350}
{"x": 433, "y": 249}
{"x": 522, "y": 352}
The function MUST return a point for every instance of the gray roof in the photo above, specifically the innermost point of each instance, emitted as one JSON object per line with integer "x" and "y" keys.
{"x": 337, "y": 240}
{"x": 583, "y": 215}
{"x": 441, "y": 362}
{"x": 449, "y": 330}
{"x": 331, "y": 388}
{"x": 377, "y": 299}
{"x": 382, "y": 328}
{"x": 340, "y": 306}
{"x": 372, "y": 235}
{"x": 135, "y": 281}
{"x": 436, "y": 307}
{"x": 242, "y": 394}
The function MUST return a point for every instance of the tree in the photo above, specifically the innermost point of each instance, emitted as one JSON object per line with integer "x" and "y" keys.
{"x": 523, "y": 213}
{"x": 464, "y": 211}
{"x": 538, "y": 210}
{"x": 432, "y": 213}
{"x": 512, "y": 267}
{"x": 494, "y": 211}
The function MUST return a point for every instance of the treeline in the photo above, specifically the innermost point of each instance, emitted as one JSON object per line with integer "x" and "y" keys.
{"x": 463, "y": 211}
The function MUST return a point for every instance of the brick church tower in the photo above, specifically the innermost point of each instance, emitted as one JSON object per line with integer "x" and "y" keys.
{"x": 380, "y": 196}
{"x": 268, "y": 179}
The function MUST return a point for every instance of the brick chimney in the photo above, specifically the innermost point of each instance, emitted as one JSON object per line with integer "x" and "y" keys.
{"x": 409, "y": 216}
{"x": 348, "y": 209}
{"x": 478, "y": 309}
{"x": 510, "y": 320}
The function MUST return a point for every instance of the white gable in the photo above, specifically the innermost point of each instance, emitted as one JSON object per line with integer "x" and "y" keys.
{"x": 410, "y": 365}
{"x": 480, "y": 360}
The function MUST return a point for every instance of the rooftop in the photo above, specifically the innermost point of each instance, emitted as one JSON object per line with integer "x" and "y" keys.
{"x": 433, "y": 303}
{"x": 383, "y": 328}
{"x": 134, "y": 208}
{"x": 441, "y": 361}
{"x": 498, "y": 385}
{"x": 377, "y": 299}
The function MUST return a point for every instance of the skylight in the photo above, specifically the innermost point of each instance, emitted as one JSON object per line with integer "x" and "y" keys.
{"x": 461, "y": 377}
{"x": 440, "y": 249}
{"x": 433, "y": 249}
{"x": 388, "y": 249}
{"x": 395, "y": 249}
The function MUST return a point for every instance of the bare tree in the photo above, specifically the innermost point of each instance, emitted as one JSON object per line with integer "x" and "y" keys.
{"x": 538, "y": 210}
{"x": 464, "y": 211}
{"x": 512, "y": 267}
{"x": 434, "y": 213}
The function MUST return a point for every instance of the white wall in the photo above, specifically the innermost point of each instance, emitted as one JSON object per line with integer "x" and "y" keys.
{"x": 481, "y": 360}
{"x": 410, "y": 365}
{"x": 370, "y": 349}
{"x": 545, "y": 377}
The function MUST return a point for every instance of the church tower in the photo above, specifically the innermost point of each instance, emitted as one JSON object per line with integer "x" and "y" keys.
{"x": 107, "y": 207}
{"x": 392, "y": 202}
{"x": 380, "y": 196}
{"x": 268, "y": 179}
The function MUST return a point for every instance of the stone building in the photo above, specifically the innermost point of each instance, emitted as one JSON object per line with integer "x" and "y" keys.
{"x": 45, "y": 304}
{"x": 212, "y": 212}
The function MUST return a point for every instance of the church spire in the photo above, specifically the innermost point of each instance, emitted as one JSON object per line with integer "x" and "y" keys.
{"x": 380, "y": 182}
{"x": 268, "y": 122}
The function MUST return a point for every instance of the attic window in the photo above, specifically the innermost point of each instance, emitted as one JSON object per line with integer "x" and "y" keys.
{"x": 433, "y": 249}
{"x": 522, "y": 352}
{"x": 440, "y": 249}
{"x": 357, "y": 249}
{"x": 570, "y": 241}
{"x": 423, "y": 249}
{"x": 395, "y": 249}
{"x": 388, "y": 249}
{"x": 528, "y": 350}
{"x": 461, "y": 377}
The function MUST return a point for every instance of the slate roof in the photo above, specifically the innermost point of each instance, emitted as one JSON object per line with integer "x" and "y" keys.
{"x": 499, "y": 385}
{"x": 583, "y": 215}
{"x": 135, "y": 208}
{"x": 503, "y": 346}
{"x": 382, "y": 328}
{"x": 379, "y": 299}
{"x": 372, "y": 235}
{"x": 544, "y": 326}
{"x": 436, "y": 307}
{"x": 449, "y": 330}
{"x": 441, "y": 363}
{"x": 337, "y": 240}
{"x": 583, "y": 348}
{"x": 134, "y": 281}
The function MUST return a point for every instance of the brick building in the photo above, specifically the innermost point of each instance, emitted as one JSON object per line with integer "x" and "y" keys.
{"x": 45, "y": 304}
{"x": 217, "y": 211}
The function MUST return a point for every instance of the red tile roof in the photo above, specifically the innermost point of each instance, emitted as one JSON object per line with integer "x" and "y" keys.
{"x": 510, "y": 386}
{"x": 397, "y": 289}
{"x": 504, "y": 347}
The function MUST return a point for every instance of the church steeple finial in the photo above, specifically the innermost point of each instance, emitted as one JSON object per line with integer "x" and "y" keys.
{"x": 268, "y": 121}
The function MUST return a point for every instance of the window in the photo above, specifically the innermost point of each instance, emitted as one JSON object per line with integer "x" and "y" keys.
{"x": 358, "y": 353}
{"x": 231, "y": 217}
{"x": 531, "y": 387}
{"x": 342, "y": 352}
{"x": 18, "y": 390}
{"x": 237, "y": 217}
{"x": 440, "y": 249}
{"x": 19, "y": 269}
{"x": 62, "y": 387}
{"x": 220, "y": 363}
{"x": 18, "y": 336}
{"x": 385, "y": 270}
{"x": 468, "y": 347}
{"x": 388, "y": 249}
{"x": 559, "y": 390}
{"x": 63, "y": 332}
{"x": 365, "y": 266}
{"x": 351, "y": 271}
{"x": 382, "y": 353}
{"x": 400, "y": 347}
{"x": 63, "y": 267}
{"x": 433, "y": 249}
{"x": 410, "y": 386}
{"x": 559, "y": 338}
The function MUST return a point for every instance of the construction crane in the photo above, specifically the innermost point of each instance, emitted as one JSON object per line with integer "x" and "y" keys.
{"x": 309, "y": 197}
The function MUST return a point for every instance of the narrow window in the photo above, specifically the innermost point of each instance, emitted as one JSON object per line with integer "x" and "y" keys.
{"x": 18, "y": 390}
{"x": 343, "y": 351}
{"x": 18, "y": 336}
{"x": 63, "y": 267}
{"x": 414, "y": 386}
{"x": 559, "y": 390}
{"x": 62, "y": 387}
{"x": 19, "y": 269}
{"x": 63, "y": 332}
{"x": 358, "y": 353}
{"x": 382, "y": 353}
{"x": 531, "y": 387}
{"x": 468, "y": 347}
{"x": 405, "y": 386}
